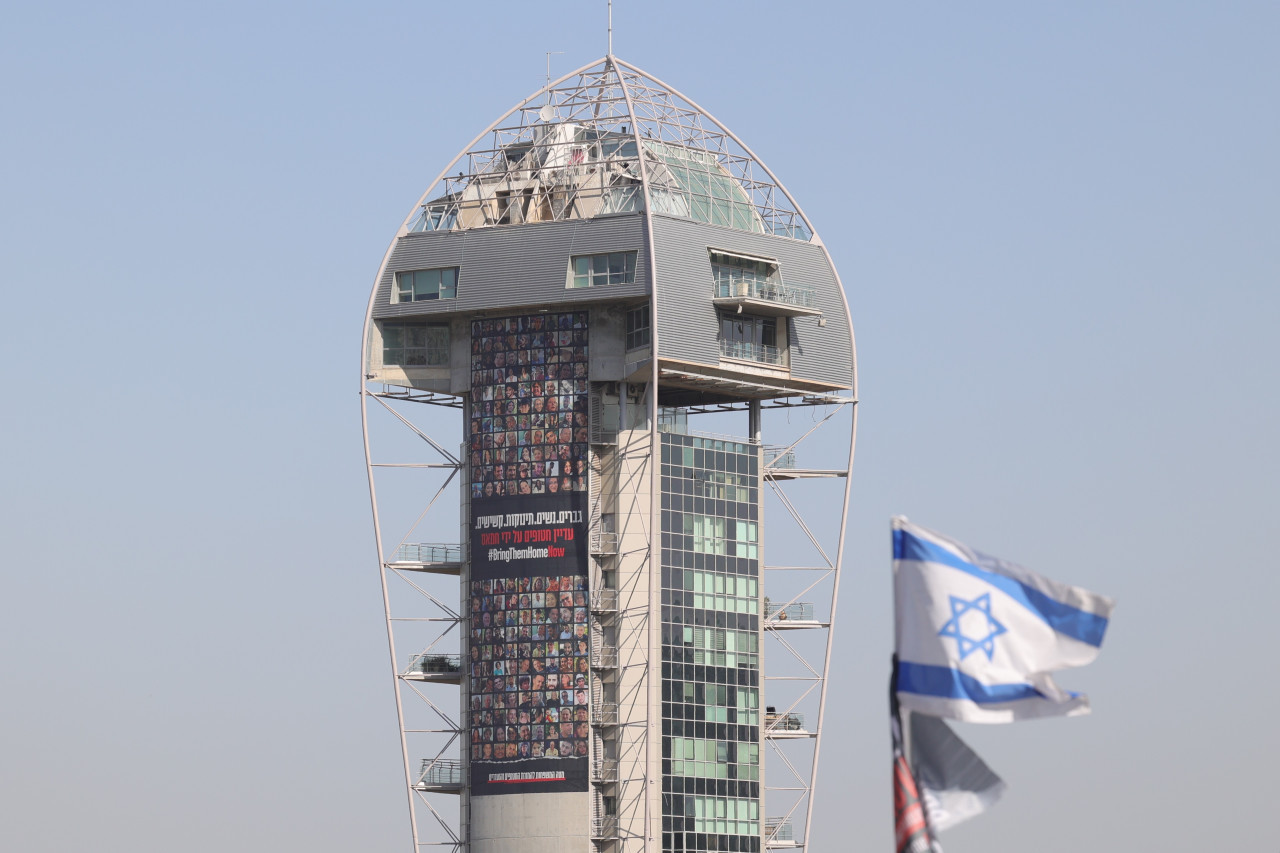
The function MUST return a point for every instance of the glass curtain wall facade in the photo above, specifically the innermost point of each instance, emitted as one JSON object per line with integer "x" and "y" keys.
{"x": 711, "y": 676}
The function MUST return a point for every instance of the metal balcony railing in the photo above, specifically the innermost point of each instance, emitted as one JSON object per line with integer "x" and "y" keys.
{"x": 779, "y": 457}
{"x": 604, "y": 770}
{"x": 799, "y": 611}
{"x": 767, "y": 290}
{"x": 604, "y": 542}
{"x": 604, "y": 656}
{"x": 604, "y": 600}
{"x": 788, "y": 722}
{"x": 434, "y": 663}
{"x": 748, "y": 351}
{"x": 440, "y": 773}
{"x": 604, "y": 714}
{"x": 778, "y": 829}
{"x": 429, "y": 552}
{"x": 604, "y": 827}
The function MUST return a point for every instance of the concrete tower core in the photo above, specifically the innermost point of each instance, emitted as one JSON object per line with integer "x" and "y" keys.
{"x": 605, "y": 661}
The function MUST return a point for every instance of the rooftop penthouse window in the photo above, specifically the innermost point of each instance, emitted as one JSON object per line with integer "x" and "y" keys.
{"x": 749, "y": 338}
{"x": 426, "y": 285}
{"x": 737, "y": 274}
{"x": 742, "y": 281}
{"x": 415, "y": 346}
{"x": 603, "y": 269}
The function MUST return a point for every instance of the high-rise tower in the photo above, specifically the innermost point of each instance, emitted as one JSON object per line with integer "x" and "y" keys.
{"x": 626, "y": 647}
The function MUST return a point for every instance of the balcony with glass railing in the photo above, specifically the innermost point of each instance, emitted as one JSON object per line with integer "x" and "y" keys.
{"x": 434, "y": 666}
{"x": 778, "y": 832}
{"x": 787, "y": 724}
{"x": 779, "y": 615}
{"x": 779, "y": 458}
{"x": 440, "y": 774}
{"x": 780, "y": 464}
{"x": 750, "y": 351}
{"x": 760, "y": 294}
{"x": 436, "y": 557}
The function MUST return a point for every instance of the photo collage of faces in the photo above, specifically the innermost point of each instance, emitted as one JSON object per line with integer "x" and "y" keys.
{"x": 529, "y": 405}
{"x": 529, "y": 668}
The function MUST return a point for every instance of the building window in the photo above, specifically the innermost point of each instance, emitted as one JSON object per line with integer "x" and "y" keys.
{"x": 426, "y": 285}
{"x": 735, "y": 275}
{"x": 415, "y": 346}
{"x": 750, "y": 338}
{"x": 638, "y": 327}
{"x": 713, "y": 535}
{"x": 599, "y": 270}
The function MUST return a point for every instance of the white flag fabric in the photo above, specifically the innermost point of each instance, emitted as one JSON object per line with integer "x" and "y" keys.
{"x": 977, "y": 637}
{"x": 955, "y": 784}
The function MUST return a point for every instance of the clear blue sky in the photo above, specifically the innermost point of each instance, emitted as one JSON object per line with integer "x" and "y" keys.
{"x": 1057, "y": 224}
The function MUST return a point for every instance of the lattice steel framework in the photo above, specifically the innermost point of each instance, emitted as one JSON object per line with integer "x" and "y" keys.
{"x": 604, "y": 138}
{"x": 575, "y": 150}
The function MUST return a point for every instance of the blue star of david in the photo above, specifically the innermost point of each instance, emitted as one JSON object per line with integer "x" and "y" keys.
{"x": 969, "y": 645}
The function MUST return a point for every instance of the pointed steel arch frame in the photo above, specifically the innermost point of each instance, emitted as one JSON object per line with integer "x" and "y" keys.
{"x": 614, "y": 96}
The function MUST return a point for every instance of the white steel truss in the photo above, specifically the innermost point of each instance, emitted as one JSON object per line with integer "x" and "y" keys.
{"x": 605, "y": 138}
{"x": 420, "y": 599}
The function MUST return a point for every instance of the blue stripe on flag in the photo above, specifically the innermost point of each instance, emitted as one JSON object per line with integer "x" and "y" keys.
{"x": 953, "y": 684}
{"x": 1063, "y": 618}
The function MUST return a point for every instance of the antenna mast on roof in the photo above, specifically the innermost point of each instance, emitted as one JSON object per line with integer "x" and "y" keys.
{"x": 610, "y": 27}
{"x": 548, "y": 83}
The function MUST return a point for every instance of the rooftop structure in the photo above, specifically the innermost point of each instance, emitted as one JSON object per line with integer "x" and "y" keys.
{"x": 612, "y": 656}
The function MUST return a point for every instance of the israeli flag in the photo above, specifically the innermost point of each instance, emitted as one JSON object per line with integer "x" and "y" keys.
{"x": 977, "y": 637}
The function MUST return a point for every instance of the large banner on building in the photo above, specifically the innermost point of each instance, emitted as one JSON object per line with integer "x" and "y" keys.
{"x": 528, "y": 649}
